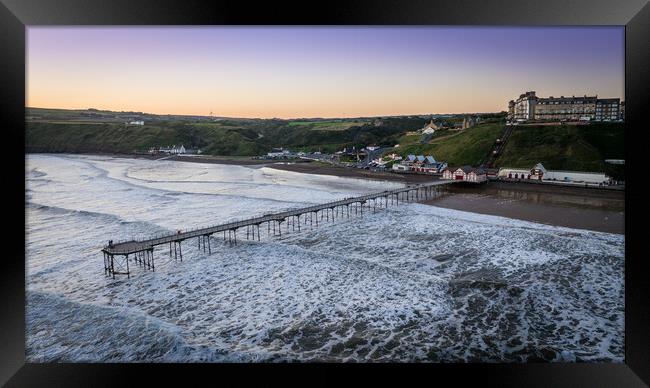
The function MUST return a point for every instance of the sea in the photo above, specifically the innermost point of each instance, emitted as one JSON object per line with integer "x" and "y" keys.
{"x": 410, "y": 283}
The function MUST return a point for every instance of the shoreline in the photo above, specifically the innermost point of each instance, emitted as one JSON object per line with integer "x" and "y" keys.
{"x": 323, "y": 169}
{"x": 565, "y": 206}
{"x": 570, "y": 208}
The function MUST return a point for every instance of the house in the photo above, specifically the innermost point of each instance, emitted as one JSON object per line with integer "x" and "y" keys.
{"x": 430, "y": 128}
{"x": 420, "y": 164}
{"x": 140, "y": 122}
{"x": 466, "y": 174}
{"x": 372, "y": 148}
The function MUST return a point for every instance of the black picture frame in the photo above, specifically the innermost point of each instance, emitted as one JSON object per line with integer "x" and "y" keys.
{"x": 15, "y": 15}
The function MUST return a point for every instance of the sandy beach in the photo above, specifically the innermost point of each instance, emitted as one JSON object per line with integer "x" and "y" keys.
{"x": 323, "y": 169}
{"x": 598, "y": 210}
{"x": 573, "y": 207}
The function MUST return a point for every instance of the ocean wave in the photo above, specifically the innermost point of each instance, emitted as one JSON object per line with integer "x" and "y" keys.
{"x": 408, "y": 283}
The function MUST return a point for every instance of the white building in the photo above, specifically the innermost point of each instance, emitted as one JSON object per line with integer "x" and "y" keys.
{"x": 538, "y": 172}
{"x": 401, "y": 167}
{"x": 278, "y": 153}
{"x": 173, "y": 150}
{"x": 136, "y": 122}
{"x": 430, "y": 128}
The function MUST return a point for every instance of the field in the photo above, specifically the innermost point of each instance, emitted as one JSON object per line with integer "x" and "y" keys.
{"x": 332, "y": 125}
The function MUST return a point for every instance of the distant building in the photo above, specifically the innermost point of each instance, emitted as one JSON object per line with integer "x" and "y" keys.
{"x": 278, "y": 152}
{"x": 470, "y": 121}
{"x": 193, "y": 151}
{"x": 538, "y": 172}
{"x": 622, "y": 109}
{"x": 140, "y": 122}
{"x": 466, "y": 174}
{"x": 608, "y": 109}
{"x": 173, "y": 150}
{"x": 529, "y": 107}
{"x": 522, "y": 109}
{"x": 420, "y": 164}
{"x": 430, "y": 128}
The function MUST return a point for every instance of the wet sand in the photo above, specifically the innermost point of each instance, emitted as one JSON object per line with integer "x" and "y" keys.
{"x": 324, "y": 169}
{"x": 573, "y": 207}
{"x": 308, "y": 167}
{"x": 580, "y": 208}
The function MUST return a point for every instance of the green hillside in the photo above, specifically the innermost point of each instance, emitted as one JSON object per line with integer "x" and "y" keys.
{"x": 223, "y": 137}
{"x": 567, "y": 147}
{"x": 117, "y": 138}
{"x": 470, "y": 146}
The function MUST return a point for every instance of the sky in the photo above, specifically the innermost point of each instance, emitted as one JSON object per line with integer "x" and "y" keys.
{"x": 300, "y": 72}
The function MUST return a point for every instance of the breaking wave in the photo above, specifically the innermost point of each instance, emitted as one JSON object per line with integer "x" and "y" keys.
{"x": 410, "y": 283}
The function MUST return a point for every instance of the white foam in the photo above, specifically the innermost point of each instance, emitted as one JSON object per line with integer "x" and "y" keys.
{"x": 370, "y": 288}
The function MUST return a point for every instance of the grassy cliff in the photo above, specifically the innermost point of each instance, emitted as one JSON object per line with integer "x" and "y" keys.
{"x": 567, "y": 147}
{"x": 470, "y": 146}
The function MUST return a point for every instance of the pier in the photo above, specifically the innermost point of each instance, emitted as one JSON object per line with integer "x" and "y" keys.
{"x": 141, "y": 253}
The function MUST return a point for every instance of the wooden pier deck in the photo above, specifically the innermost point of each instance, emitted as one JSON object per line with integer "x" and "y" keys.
{"x": 143, "y": 250}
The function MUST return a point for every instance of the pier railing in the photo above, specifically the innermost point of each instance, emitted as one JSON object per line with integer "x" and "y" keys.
{"x": 137, "y": 246}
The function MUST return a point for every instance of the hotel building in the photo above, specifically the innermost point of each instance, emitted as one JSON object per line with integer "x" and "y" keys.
{"x": 529, "y": 107}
